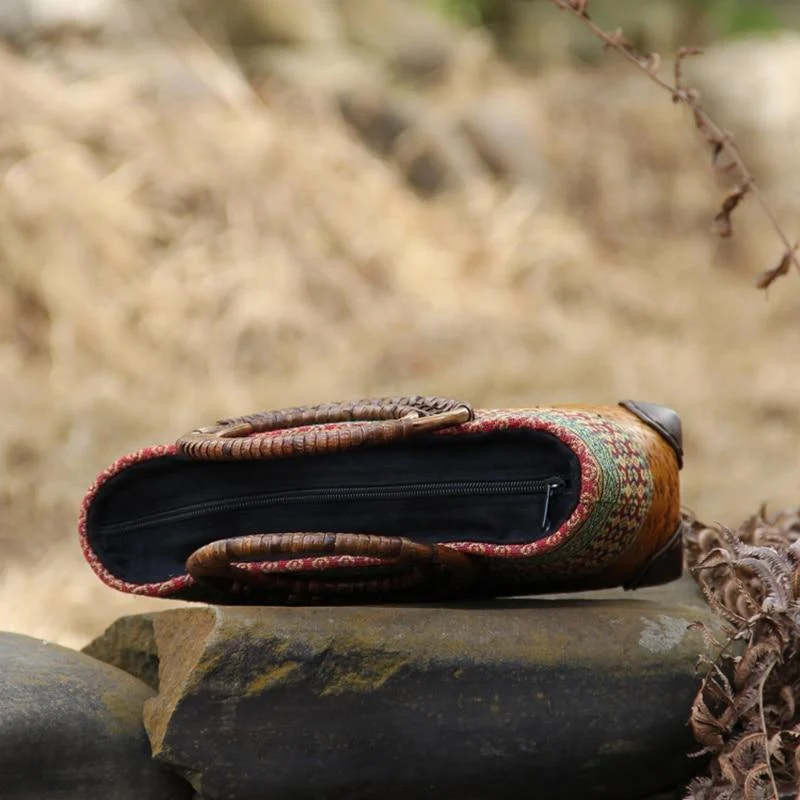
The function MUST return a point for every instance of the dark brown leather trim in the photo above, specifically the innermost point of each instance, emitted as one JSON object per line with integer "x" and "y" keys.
{"x": 664, "y": 566}
{"x": 661, "y": 419}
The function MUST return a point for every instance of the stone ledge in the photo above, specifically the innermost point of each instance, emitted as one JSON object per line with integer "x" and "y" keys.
{"x": 583, "y": 695}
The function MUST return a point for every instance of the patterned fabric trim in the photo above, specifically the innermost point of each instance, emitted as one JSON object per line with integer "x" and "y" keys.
{"x": 315, "y": 564}
{"x": 160, "y": 589}
{"x": 616, "y": 491}
{"x": 615, "y": 495}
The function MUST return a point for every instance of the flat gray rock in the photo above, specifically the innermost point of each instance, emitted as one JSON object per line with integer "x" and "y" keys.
{"x": 71, "y": 728}
{"x": 581, "y": 696}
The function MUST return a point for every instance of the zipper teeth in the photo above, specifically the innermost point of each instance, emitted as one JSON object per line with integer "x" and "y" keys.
{"x": 332, "y": 495}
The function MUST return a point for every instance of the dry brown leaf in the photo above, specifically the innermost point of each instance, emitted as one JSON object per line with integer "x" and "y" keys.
{"x": 730, "y": 202}
{"x": 766, "y": 278}
{"x": 653, "y": 63}
{"x": 707, "y": 728}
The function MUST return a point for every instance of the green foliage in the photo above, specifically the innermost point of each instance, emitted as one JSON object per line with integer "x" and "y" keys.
{"x": 728, "y": 18}
{"x": 739, "y": 17}
{"x": 472, "y": 12}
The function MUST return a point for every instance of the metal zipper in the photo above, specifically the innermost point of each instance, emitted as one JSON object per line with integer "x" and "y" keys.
{"x": 401, "y": 491}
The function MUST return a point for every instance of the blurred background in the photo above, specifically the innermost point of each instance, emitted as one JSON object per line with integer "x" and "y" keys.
{"x": 209, "y": 209}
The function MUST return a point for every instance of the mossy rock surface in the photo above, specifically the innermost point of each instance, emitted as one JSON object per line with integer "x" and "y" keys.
{"x": 130, "y": 644}
{"x": 580, "y": 696}
{"x": 71, "y": 727}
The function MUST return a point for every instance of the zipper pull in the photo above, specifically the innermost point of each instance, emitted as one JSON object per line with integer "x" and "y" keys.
{"x": 552, "y": 484}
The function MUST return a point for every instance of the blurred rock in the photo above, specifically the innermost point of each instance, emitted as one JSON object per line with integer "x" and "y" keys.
{"x": 404, "y": 130}
{"x": 71, "y": 727}
{"x": 415, "y": 40}
{"x": 298, "y": 22}
{"x": 86, "y": 14}
{"x": 237, "y": 24}
{"x": 403, "y": 127}
{"x": 315, "y": 71}
{"x": 22, "y": 21}
{"x": 585, "y": 696}
{"x": 130, "y": 645}
{"x": 501, "y": 129}
{"x": 16, "y": 21}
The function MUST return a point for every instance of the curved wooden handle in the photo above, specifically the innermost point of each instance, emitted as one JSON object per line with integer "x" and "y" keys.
{"x": 380, "y": 420}
{"x": 288, "y": 561}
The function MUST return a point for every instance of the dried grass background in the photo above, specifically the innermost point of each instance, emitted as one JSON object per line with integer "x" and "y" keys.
{"x": 168, "y": 257}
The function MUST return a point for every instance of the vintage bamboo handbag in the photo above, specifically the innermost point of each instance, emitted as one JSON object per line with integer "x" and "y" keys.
{"x": 393, "y": 499}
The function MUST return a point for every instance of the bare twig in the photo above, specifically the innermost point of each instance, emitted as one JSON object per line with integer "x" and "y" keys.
{"x": 720, "y": 141}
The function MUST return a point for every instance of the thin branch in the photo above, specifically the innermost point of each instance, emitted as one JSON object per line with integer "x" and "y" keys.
{"x": 719, "y": 139}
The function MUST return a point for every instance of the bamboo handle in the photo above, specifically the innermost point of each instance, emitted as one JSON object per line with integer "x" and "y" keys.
{"x": 411, "y": 563}
{"x": 377, "y": 421}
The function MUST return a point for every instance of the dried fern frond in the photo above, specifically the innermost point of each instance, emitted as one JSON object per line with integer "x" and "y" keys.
{"x": 746, "y": 711}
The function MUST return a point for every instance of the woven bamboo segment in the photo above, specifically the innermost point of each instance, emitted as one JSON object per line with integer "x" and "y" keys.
{"x": 377, "y": 421}
{"x": 413, "y": 562}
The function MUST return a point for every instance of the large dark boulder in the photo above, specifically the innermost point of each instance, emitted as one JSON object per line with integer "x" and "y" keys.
{"x": 584, "y": 696}
{"x": 71, "y": 729}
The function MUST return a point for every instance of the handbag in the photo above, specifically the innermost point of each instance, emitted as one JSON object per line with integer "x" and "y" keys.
{"x": 394, "y": 499}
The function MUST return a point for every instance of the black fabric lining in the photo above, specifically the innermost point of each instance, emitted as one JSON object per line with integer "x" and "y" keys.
{"x": 133, "y": 527}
